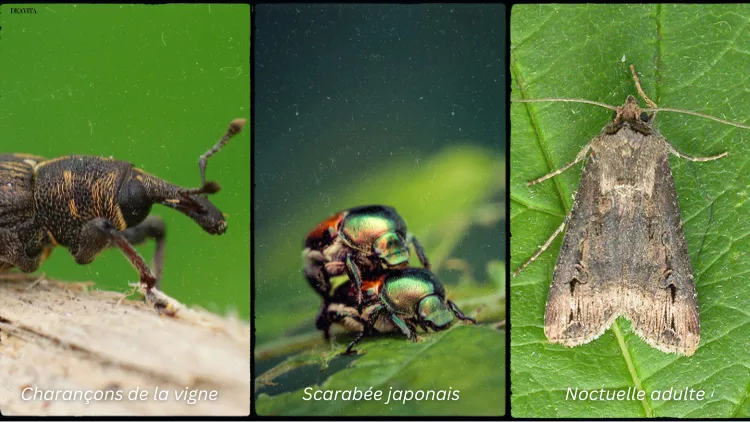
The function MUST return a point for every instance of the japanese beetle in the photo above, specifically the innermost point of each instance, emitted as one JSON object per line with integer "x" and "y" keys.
{"x": 359, "y": 242}
{"x": 87, "y": 204}
{"x": 397, "y": 300}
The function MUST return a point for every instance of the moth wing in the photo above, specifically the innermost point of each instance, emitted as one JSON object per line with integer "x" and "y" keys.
{"x": 624, "y": 253}
{"x": 664, "y": 312}
{"x": 580, "y": 306}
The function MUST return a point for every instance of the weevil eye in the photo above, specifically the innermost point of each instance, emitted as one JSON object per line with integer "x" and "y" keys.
{"x": 645, "y": 117}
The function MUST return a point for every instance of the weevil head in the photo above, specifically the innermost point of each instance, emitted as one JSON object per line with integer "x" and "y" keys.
{"x": 141, "y": 190}
{"x": 203, "y": 212}
{"x": 435, "y": 312}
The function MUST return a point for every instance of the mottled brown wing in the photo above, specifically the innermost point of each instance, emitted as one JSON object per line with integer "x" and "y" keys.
{"x": 623, "y": 251}
{"x": 579, "y": 307}
{"x": 664, "y": 309}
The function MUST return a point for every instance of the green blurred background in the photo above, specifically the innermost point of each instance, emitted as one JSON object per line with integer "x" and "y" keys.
{"x": 401, "y": 105}
{"x": 153, "y": 85}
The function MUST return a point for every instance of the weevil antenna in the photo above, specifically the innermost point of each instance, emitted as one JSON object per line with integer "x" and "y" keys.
{"x": 234, "y": 128}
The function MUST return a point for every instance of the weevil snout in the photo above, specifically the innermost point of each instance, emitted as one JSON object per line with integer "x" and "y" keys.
{"x": 210, "y": 218}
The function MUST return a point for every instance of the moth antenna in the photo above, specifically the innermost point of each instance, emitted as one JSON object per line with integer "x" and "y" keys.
{"x": 234, "y": 128}
{"x": 640, "y": 90}
{"x": 566, "y": 100}
{"x": 695, "y": 113}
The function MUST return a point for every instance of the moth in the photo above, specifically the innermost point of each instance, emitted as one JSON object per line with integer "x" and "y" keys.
{"x": 624, "y": 252}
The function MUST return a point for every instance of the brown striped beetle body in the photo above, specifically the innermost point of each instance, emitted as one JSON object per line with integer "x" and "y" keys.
{"x": 87, "y": 204}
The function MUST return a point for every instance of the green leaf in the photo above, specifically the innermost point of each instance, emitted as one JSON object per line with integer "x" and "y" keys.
{"x": 692, "y": 57}
{"x": 466, "y": 359}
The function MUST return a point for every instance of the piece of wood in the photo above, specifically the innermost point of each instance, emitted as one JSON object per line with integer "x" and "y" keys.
{"x": 64, "y": 339}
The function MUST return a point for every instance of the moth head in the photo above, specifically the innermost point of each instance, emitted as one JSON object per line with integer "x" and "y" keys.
{"x": 629, "y": 112}
{"x": 632, "y": 113}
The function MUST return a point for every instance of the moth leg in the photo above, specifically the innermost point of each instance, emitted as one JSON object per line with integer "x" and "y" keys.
{"x": 674, "y": 151}
{"x": 542, "y": 249}
{"x": 151, "y": 228}
{"x": 580, "y": 157}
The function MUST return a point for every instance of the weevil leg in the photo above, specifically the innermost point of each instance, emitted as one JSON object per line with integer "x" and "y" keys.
{"x": 100, "y": 233}
{"x": 152, "y": 227}
{"x": 421, "y": 254}
{"x": 460, "y": 315}
{"x": 13, "y": 251}
{"x": 234, "y": 128}
{"x": 356, "y": 276}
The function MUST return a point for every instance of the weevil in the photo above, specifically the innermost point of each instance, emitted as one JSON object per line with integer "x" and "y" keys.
{"x": 88, "y": 203}
{"x": 395, "y": 300}
{"x": 358, "y": 242}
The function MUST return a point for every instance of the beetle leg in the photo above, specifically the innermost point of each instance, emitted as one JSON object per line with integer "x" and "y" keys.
{"x": 151, "y": 228}
{"x": 318, "y": 278}
{"x": 100, "y": 233}
{"x": 410, "y": 335}
{"x": 460, "y": 314}
{"x": 420, "y": 251}
{"x": 355, "y": 275}
{"x": 323, "y": 322}
{"x": 349, "y": 317}
{"x": 356, "y": 340}
{"x": 366, "y": 329}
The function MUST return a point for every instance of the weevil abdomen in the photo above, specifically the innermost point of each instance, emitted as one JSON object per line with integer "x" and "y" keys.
{"x": 22, "y": 242}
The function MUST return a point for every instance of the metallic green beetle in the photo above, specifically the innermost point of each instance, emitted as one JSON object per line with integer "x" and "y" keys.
{"x": 401, "y": 299}
{"x": 358, "y": 242}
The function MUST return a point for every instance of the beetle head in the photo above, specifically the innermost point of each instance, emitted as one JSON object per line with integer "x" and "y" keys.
{"x": 391, "y": 249}
{"x": 435, "y": 312}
